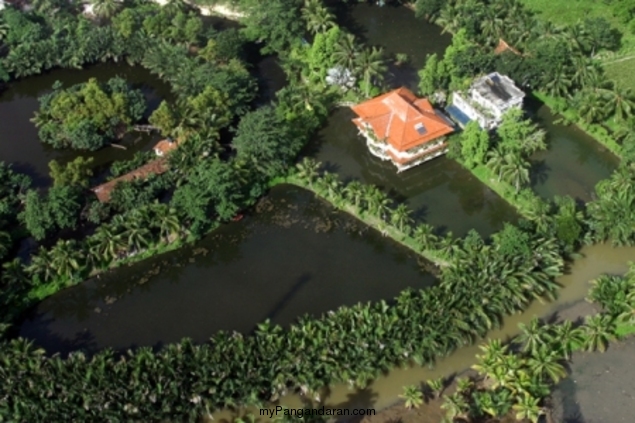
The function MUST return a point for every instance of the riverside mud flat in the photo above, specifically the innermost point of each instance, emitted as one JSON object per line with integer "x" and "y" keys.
{"x": 600, "y": 387}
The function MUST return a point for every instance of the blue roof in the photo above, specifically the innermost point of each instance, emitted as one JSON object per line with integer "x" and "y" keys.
{"x": 456, "y": 114}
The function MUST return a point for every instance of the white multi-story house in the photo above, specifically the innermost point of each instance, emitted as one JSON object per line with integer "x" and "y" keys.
{"x": 402, "y": 128}
{"x": 486, "y": 101}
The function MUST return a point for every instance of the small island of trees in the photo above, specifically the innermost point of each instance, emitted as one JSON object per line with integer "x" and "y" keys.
{"x": 88, "y": 116}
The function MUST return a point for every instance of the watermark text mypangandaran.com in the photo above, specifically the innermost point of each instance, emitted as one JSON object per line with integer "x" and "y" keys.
{"x": 306, "y": 412}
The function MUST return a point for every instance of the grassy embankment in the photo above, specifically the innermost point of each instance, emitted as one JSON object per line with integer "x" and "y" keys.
{"x": 520, "y": 200}
{"x": 374, "y": 222}
{"x": 619, "y": 66}
{"x": 40, "y": 292}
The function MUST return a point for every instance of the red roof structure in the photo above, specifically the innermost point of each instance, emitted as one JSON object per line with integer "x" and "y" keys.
{"x": 503, "y": 47}
{"x": 404, "y": 122}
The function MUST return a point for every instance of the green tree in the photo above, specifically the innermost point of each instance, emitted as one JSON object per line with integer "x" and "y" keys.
{"x": 412, "y": 396}
{"x": 372, "y": 66}
{"x": 317, "y": 16}
{"x": 35, "y": 216}
{"x": 433, "y": 77}
{"x": 598, "y": 331}
{"x": 76, "y": 172}
{"x": 264, "y": 140}
{"x": 105, "y": 8}
{"x": 66, "y": 258}
{"x": 346, "y": 53}
{"x": 474, "y": 144}
{"x": 86, "y": 116}
{"x": 277, "y": 22}
{"x": 528, "y": 408}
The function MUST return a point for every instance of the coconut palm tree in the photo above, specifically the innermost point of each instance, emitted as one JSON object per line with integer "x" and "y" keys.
{"x": 41, "y": 265}
{"x": 424, "y": 234}
{"x": 528, "y": 408}
{"x": 346, "y": 52}
{"x": 586, "y": 71}
{"x": 332, "y": 185}
{"x": 621, "y": 102}
{"x": 450, "y": 19}
{"x": 372, "y": 66}
{"x": 105, "y": 8}
{"x": 598, "y": 331}
{"x": 591, "y": 105}
{"x": 13, "y": 274}
{"x": 136, "y": 232}
{"x": 496, "y": 162}
{"x": 66, "y": 258}
{"x": 546, "y": 362}
{"x": 308, "y": 170}
{"x": 515, "y": 170}
{"x": 567, "y": 337}
{"x": 559, "y": 82}
{"x": 354, "y": 191}
{"x": 317, "y": 16}
{"x": 105, "y": 245}
{"x": 400, "y": 217}
{"x": 412, "y": 396}
{"x": 166, "y": 219}
{"x": 532, "y": 336}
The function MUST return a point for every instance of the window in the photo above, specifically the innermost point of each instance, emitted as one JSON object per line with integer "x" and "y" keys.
{"x": 420, "y": 128}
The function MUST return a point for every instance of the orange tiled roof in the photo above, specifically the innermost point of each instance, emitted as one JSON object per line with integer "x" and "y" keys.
{"x": 395, "y": 116}
{"x": 165, "y": 146}
{"x": 156, "y": 167}
{"x": 503, "y": 46}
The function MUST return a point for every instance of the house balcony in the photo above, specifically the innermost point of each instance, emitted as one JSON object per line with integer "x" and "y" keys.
{"x": 404, "y": 160}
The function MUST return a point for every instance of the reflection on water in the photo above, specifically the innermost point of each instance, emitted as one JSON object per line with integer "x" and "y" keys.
{"x": 296, "y": 255}
{"x": 397, "y": 30}
{"x": 440, "y": 192}
{"x": 574, "y": 163}
{"x": 19, "y": 142}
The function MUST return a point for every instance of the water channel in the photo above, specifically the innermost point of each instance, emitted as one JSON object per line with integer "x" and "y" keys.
{"x": 574, "y": 163}
{"x": 295, "y": 255}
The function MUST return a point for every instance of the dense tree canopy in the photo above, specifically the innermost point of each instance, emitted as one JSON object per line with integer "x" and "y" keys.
{"x": 87, "y": 116}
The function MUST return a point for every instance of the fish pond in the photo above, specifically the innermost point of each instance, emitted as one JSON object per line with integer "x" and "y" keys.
{"x": 294, "y": 255}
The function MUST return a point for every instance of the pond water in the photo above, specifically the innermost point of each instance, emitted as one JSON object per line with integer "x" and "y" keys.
{"x": 574, "y": 163}
{"x": 397, "y": 30}
{"x": 19, "y": 141}
{"x": 440, "y": 192}
{"x": 295, "y": 255}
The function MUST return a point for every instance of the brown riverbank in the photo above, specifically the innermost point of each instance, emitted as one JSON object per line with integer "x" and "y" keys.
{"x": 600, "y": 387}
{"x": 431, "y": 412}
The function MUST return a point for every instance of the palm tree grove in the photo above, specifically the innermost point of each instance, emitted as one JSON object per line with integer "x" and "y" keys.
{"x": 363, "y": 211}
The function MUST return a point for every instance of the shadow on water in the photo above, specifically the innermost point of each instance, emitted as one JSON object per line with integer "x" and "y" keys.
{"x": 293, "y": 256}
